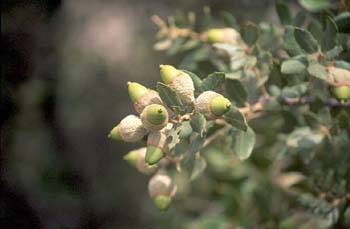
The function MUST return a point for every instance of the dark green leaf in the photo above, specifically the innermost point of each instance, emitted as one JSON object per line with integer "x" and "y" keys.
{"x": 343, "y": 22}
{"x": 236, "y": 91}
{"x": 236, "y": 119}
{"x": 175, "y": 47}
{"x": 244, "y": 144}
{"x": 292, "y": 67}
{"x": 315, "y": 5}
{"x": 229, "y": 19}
{"x": 299, "y": 19}
{"x": 283, "y": 13}
{"x": 315, "y": 28}
{"x": 199, "y": 166}
{"x": 168, "y": 95}
{"x": 289, "y": 42}
{"x": 250, "y": 33}
{"x": 305, "y": 40}
{"x": 329, "y": 36}
{"x": 198, "y": 123}
{"x": 213, "y": 81}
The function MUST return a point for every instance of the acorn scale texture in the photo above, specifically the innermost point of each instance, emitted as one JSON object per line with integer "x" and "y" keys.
{"x": 151, "y": 97}
{"x": 131, "y": 129}
{"x": 202, "y": 104}
{"x": 161, "y": 185}
{"x": 183, "y": 85}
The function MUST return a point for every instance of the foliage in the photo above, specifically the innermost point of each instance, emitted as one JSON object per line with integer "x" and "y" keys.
{"x": 280, "y": 156}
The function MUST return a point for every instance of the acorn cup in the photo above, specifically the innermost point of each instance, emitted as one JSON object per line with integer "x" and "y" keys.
{"x": 339, "y": 79}
{"x": 161, "y": 189}
{"x": 130, "y": 129}
{"x": 223, "y": 35}
{"x": 142, "y": 96}
{"x": 136, "y": 158}
{"x": 212, "y": 105}
{"x": 154, "y": 117}
{"x": 179, "y": 81}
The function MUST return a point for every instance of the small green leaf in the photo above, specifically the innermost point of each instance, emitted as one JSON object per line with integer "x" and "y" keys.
{"x": 168, "y": 95}
{"x": 197, "y": 82}
{"x": 236, "y": 91}
{"x": 196, "y": 145}
{"x": 283, "y": 13}
{"x": 289, "y": 42}
{"x": 299, "y": 19}
{"x": 291, "y": 67}
{"x": 315, "y": 28}
{"x": 213, "y": 81}
{"x": 199, "y": 166}
{"x": 236, "y": 119}
{"x": 317, "y": 70}
{"x": 229, "y": 19}
{"x": 250, "y": 33}
{"x": 305, "y": 40}
{"x": 315, "y": 5}
{"x": 198, "y": 123}
{"x": 244, "y": 144}
{"x": 329, "y": 35}
{"x": 333, "y": 53}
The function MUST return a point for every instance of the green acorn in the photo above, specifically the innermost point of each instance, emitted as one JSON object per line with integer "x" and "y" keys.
{"x": 223, "y": 35}
{"x": 179, "y": 81}
{"x": 130, "y": 129}
{"x": 136, "y": 158}
{"x": 161, "y": 188}
{"x": 156, "y": 147}
{"x": 154, "y": 117}
{"x": 142, "y": 96}
{"x": 340, "y": 83}
{"x": 212, "y": 105}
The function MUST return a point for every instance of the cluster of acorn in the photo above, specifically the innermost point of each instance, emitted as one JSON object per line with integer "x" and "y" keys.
{"x": 154, "y": 122}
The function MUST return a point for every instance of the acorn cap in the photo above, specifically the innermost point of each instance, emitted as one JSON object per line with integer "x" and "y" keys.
{"x": 338, "y": 76}
{"x": 154, "y": 117}
{"x": 215, "y": 35}
{"x": 342, "y": 92}
{"x": 162, "y": 202}
{"x": 183, "y": 85}
{"x": 114, "y": 134}
{"x": 153, "y": 154}
{"x": 131, "y": 157}
{"x": 220, "y": 105}
{"x": 161, "y": 184}
{"x": 136, "y": 90}
{"x": 130, "y": 129}
{"x": 150, "y": 97}
{"x": 168, "y": 73}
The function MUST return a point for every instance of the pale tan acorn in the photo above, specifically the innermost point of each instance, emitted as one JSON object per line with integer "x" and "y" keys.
{"x": 154, "y": 117}
{"x": 224, "y": 35}
{"x": 142, "y": 96}
{"x": 179, "y": 81}
{"x": 339, "y": 79}
{"x": 136, "y": 158}
{"x": 212, "y": 105}
{"x": 161, "y": 189}
{"x": 130, "y": 129}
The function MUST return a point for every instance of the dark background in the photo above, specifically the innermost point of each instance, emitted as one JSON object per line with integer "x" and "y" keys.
{"x": 65, "y": 65}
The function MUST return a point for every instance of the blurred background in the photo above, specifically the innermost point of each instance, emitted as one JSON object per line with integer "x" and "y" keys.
{"x": 65, "y": 66}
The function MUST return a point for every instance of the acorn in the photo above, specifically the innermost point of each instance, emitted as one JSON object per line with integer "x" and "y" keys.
{"x": 179, "y": 81}
{"x": 223, "y": 35}
{"x": 154, "y": 117}
{"x": 142, "y": 96}
{"x": 161, "y": 189}
{"x": 136, "y": 158}
{"x": 130, "y": 129}
{"x": 212, "y": 105}
{"x": 340, "y": 83}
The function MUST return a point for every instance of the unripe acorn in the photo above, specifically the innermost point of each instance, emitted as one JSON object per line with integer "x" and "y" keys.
{"x": 179, "y": 81}
{"x": 223, "y": 35}
{"x": 142, "y": 96}
{"x": 154, "y": 117}
{"x": 136, "y": 158}
{"x": 156, "y": 147}
{"x": 130, "y": 129}
{"x": 161, "y": 188}
{"x": 212, "y": 105}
